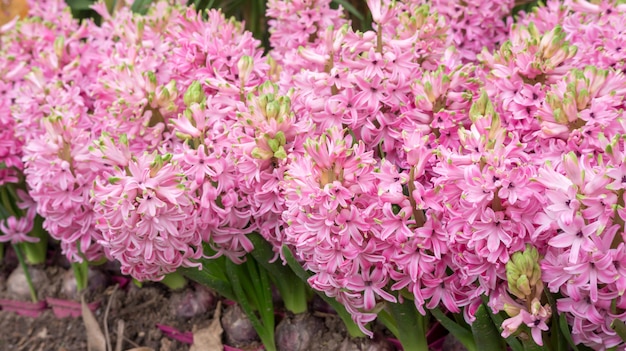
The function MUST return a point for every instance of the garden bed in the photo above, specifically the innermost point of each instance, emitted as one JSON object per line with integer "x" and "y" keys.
{"x": 142, "y": 310}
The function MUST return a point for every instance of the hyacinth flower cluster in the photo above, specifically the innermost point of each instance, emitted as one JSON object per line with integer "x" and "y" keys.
{"x": 448, "y": 160}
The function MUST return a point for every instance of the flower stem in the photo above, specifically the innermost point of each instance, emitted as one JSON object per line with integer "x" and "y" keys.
{"x": 22, "y": 261}
{"x": 36, "y": 252}
{"x": 174, "y": 281}
{"x": 379, "y": 39}
{"x": 618, "y": 220}
{"x": 81, "y": 270}
{"x": 496, "y": 203}
{"x": 418, "y": 215}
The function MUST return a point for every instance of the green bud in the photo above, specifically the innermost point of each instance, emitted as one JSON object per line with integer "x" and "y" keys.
{"x": 245, "y": 66}
{"x": 478, "y": 108}
{"x": 523, "y": 273}
{"x": 140, "y": 28}
{"x": 194, "y": 94}
{"x": 523, "y": 285}
{"x": 511, "y": 310}
{"x": 280, "y": 136}
{"x": 151, "y": 77}
{"x": 272, "y": 109}
{"x": 274, "y": 144}
{"x": 261, "y": 154}
{"x": 280, "y": 154}
{"x": 263, "y": 101}
{"x": 59, "y": 46}
{"x": 183, "y": 136}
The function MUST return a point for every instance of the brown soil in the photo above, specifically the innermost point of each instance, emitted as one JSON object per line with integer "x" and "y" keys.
{"x": 140, "y": 309}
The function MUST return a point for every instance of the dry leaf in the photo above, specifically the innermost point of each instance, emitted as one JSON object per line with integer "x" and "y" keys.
{"x": 210, "y": 338}
{"x": 9, "y": 9}
{"x": 95, "y": 338}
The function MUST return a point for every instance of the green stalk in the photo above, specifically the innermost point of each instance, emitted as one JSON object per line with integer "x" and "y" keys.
{"x": 81, "y": 271}
{"x": 174, "y": 281}
{"x": 1, "y": 251}
{"x": 22, "y": 261}
{"x": 36, "y": 252}
{"x": 292, "y": 290}
{"x": 353, "y": 329}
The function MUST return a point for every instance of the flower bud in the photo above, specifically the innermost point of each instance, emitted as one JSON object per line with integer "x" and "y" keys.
{"x": 477, "y": 110}
{"x": 274, "y": 144}
{"x": 245, "y": 66}
{"x": 272, "y": 109}
{"x": 524, "y": 274}
{"x": 194, "y": 94}
{"x": 261, "y": 154}
{"x": 280, "y": 136}
{"x": 59, "y": 46}
{"x": 511, "y": 310}
{"x": 280, "y": 154}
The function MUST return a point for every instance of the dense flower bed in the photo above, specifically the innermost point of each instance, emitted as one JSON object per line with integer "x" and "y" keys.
{"x": 451, "y": 156}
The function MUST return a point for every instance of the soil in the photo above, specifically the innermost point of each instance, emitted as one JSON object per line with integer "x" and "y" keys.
{"x": 140, "y": 309}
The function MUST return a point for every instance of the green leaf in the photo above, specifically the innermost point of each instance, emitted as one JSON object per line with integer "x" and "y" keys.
{"x": 620, "y": 328}
{"x": 389, "y": 322}
{"x": 353, "y": 329}
{"x": 558, "y": 340}
{"x": 77, "y": 5}
{"x": 411, "y": 325}
{"x": 110, "y": 5}
{"x": 212, "y": 274}
{"x": 238, "y": 276}
{"x": 497, "y": 319}
{"x": 292, "y": 290}
{"x": 486, "y": 334}
{"x": 141, "y": 6}
{"x": 350, "y": 8}
{"x": 463, "y": 335}
{"x": 565, "y": 331}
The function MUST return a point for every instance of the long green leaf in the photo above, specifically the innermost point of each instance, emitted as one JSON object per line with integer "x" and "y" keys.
{"x": 497, "y": 319}
{"x": 350, "y": 8}
{"x": 411, "y": 326}
{"x": 565, "y": 331}
{"x": 389, "y": 322}
{"x": 141, "y": 6}
{"x": 235, "y": 273}
{"x": 77, "y": 5}
{"x": 485, "y": 332}
{"x": 291, "y": 288}
{"x": 463, "y": 335}
{"x": 620, "y": 328}
{"x": 212, "y": 275}
{"x": 557, "y": 337}
{"x": 353, "y": 329}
